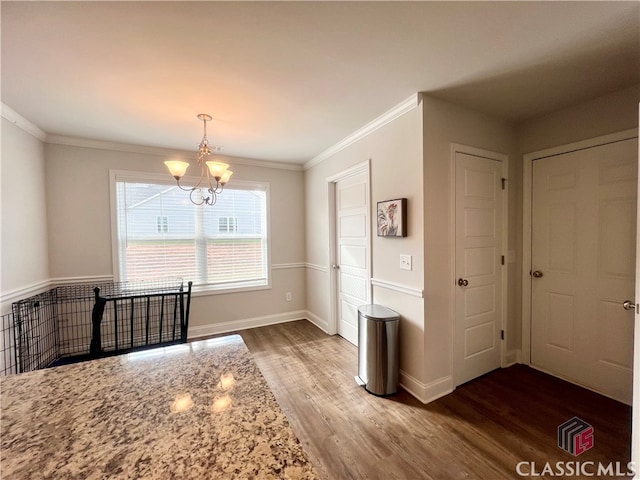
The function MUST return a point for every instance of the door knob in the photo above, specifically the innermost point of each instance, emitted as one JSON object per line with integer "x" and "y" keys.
{"x": 537, "y": 274}
{"x": 463, "y": 282}
{"x": 335, "y": 267}
{"x": 628, "y": 305}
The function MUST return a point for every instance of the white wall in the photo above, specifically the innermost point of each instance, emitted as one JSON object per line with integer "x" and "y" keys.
{"x": 611, "y": 113}
{"x": 444, "y": 124}
{"x": 23, "y": 213}
{"x": 395, "y": 153}
{"x": 78, "y": 206}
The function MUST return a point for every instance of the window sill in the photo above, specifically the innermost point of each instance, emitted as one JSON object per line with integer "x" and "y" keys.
{"x": 207, "y": 290}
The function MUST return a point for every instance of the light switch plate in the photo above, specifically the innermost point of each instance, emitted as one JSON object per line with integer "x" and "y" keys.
{"x": 405, "y": 262}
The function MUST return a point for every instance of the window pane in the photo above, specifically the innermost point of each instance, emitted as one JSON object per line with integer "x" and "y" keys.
{"x": 246, "y": 245}
{"x": 221, "y": 244}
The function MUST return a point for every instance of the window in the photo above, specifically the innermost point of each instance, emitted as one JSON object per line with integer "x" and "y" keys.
{"x": 162, "y": 224}
{"x": 217, "y": 247}
{"x": 227, "y": 224}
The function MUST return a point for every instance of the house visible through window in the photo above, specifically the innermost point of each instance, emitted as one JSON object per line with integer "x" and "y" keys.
{"x": 227, "y": 224}
{"x": 162, "y": 224}
{"x": 217, "y": 247}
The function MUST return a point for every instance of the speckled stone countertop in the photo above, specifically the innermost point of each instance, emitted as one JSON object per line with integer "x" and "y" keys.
{"x": 200, "y": 410}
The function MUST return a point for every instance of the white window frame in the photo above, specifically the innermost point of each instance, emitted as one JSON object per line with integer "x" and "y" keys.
{"x": 166, "y": 179}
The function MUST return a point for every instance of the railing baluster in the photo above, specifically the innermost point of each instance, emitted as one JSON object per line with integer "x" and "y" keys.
{"x": 146, "y": 340}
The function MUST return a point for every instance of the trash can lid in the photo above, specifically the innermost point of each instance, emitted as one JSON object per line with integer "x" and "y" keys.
{"x": 378, "y": 312}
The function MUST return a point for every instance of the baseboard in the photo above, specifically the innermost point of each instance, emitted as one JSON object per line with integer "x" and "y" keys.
{"x": 243, "y": 324}
{"x": 317, "y": 321}
{"x": 511, "y": 358}
{"x": 426, "y": 392}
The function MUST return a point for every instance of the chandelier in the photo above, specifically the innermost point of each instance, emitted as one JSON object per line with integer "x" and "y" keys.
{"x": 204, "y": 191}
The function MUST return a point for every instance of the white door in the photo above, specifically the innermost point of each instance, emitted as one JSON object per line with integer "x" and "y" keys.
{"x": 583, "y": 266}
{"x": 478, "y": 266}
{"x": 635, "y": 425}
{"x": 352, "y": 252}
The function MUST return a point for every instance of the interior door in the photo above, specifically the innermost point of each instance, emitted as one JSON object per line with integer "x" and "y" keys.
{"x": 478, "y": 266}
{"x": 352, "y": 251}
{"x": 583, "y": 266}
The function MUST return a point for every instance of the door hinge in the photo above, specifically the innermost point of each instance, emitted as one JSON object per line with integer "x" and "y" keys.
{"x": 501, "y": 334}
{"x": 504, "y": 183}
{"x": 502, "y": 259}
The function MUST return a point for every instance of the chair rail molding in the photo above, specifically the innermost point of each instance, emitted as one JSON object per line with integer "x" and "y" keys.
{"x": 397, "y": 287}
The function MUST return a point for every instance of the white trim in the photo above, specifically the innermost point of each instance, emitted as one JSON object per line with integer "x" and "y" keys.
{"x": 396, "y": 287}
{"x": 19, "y": 121}
{"x": 504, "y": 160}
{"x": 162, "y": 152}
{"x": 527, "y": 178}
{"x": 244, "y": 324}
{"x": 332, "y": 323}
{"x": 26, "y": 291}
{"x": 207, "y": 290}
{"x": 283, "y": 266}
{"x": 313, "y": 266}
{"x": 426, "y": 392}
{"x": 55, "y": 282}
{"x": 317, "y": 321}
{"x": 39, "y": 287}
{"x": 406, "y": 106}
{"x": 349, "y": 172}
{"x": 584, "y": 144}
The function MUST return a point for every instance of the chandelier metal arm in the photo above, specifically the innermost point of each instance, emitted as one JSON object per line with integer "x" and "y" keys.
{"x": 202, "y": 199}
{"x": 189, "y": 189}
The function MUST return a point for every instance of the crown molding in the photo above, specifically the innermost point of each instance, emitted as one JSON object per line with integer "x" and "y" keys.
{"x": 19, "y": 121}
{"x": 160, "y": 151}
{"x": 113, "y": 146}
{"x": 406, "y": 106}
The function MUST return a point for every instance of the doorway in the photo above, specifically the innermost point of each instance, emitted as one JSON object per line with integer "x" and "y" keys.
{"x": 480, "y": 277}
{"x": 579, "y": 262}
{"x": 351, "y": 253}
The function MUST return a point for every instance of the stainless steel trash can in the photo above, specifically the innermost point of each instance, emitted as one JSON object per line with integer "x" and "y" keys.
{"x": 378, "y": 354}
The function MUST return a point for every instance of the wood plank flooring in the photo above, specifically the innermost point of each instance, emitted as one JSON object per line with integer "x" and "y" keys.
{"x": 480, "y": 431}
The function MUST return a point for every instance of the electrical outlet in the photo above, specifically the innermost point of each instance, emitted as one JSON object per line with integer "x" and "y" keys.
{"x": 288, "y": 296}
{"x": 405, "y": 262}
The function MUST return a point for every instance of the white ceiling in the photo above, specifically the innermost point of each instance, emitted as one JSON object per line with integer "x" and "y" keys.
{"x": 286, "y": 80}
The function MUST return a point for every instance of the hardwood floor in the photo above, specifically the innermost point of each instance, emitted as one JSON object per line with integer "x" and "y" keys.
{"x": 480, "y": 431}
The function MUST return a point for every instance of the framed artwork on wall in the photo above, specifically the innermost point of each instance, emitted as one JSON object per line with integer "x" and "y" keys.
{"x": 392, "y": 218}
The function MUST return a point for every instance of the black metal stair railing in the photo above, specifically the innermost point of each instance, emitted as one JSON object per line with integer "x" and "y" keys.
{"x": 80, "y": 322}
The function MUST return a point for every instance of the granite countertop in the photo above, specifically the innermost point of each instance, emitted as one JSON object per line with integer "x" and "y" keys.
{"x": 192, "y": 411}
